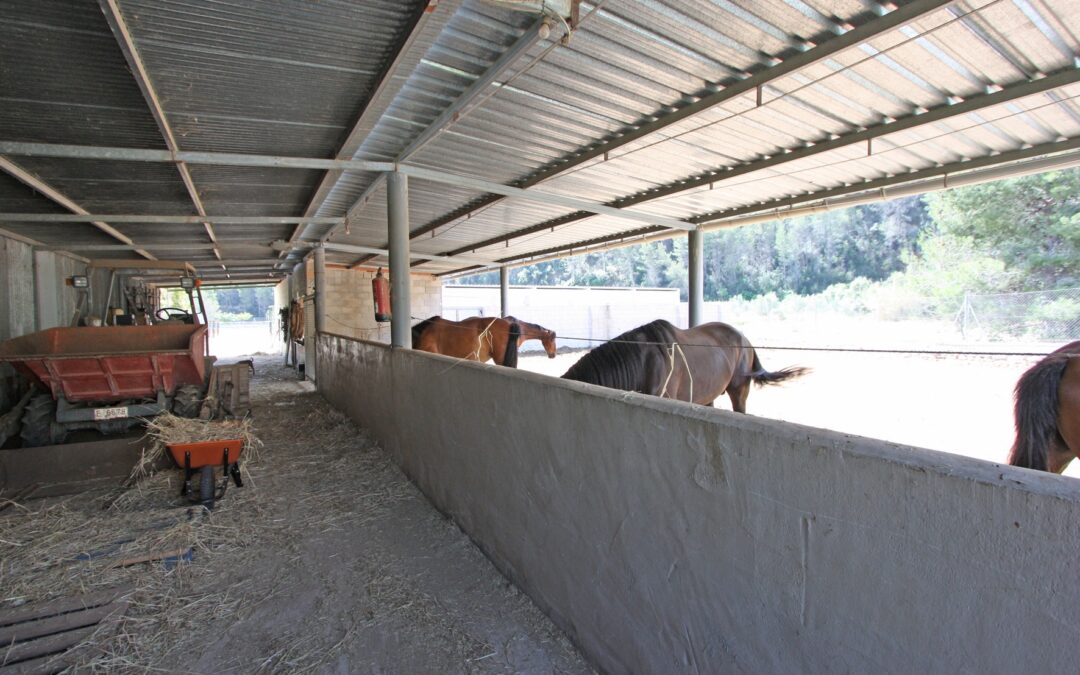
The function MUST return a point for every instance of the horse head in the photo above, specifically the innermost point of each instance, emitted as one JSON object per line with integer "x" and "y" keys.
{"x": 547, "y": 338}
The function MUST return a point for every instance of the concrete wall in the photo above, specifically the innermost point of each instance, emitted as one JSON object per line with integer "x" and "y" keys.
{"x": 351, "y": 310}
{"x": 33, "y": 296}
{"x": 351, "y": 305}
{"x": 666, "y": 538}
{"x": 17, "y": 316}
{"x": 590, "y": 312}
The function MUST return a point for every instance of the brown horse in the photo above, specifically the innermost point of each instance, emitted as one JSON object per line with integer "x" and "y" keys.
{"x": 480, "y": 338}
{"x": 532, "y": 331}
{"x": 1047, "y": 412}
{"x": 695, "y": 365}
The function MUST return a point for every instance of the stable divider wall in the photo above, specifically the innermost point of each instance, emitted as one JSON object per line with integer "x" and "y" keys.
{"x": 664, "y": 537}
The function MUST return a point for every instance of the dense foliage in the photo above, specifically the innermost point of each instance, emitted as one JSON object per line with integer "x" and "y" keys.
{"x": 1013, "y": 235}
{"x": 244, "y": 303}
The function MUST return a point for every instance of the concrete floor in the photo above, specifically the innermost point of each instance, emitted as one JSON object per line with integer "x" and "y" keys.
{"x": 327, "y": 560}
{"x": 359, "y": 573}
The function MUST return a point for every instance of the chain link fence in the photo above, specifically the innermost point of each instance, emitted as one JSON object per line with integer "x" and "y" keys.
{"x": 1038, "y": 315}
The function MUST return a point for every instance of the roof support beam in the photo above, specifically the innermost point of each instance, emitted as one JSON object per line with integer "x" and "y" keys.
{"x": 1061, "y": 78}
{"x": 376, "y": 252}
{"x": 453, "y": 112}
{"x": 161, "y": 219}
{"x": 867, "y": 31}
{"x": 217, "y": 158}
{"x": 138, "y": 69}
{"x": 60, "y": 198}
{"x": 428, "y": 13}
{"x": 970, "y": 172}
{"x": 135, "y": 154}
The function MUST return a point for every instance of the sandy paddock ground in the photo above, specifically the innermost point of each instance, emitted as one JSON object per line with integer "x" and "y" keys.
{"x": 956, "y": 404}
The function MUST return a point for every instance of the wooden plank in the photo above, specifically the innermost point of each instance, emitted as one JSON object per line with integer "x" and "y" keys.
{"x": 61, "y": 650}
{"x": 150, "y": 557}
{"x": 64, "y": 469}
{"x": 45, "y": 646}
{"x": 49, "y": 608}
{"x": 42, "y": 665}
{"x": 27, "y": 630}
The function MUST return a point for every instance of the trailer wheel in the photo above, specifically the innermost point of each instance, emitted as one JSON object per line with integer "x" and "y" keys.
{"x": 188, "y": 401}
{"x": 206, "y": 486}
{"x": 39, "y": 425}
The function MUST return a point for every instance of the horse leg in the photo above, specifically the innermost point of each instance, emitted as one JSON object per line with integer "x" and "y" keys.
{"x": 738, "y": 395}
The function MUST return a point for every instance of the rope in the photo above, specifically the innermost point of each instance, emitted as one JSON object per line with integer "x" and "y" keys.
{"x": 847, "y": 350}
{"x": 671, "y": 370}
{"x": 480, "y": 339}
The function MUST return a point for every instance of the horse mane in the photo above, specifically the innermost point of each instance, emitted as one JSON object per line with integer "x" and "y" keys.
{"x": 526, "y": 325}
{"x": 510, "y": 358}
{"x": 620, "y": 363}
{"x": 1035, "y": 411}
{"x": 419, "y": 328}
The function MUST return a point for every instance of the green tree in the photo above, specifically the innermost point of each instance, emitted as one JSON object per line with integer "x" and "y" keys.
{"x": 1031, "y": 224}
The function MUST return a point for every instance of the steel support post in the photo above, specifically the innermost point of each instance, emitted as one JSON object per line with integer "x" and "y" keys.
{"x": 696, "y": 269}
{"x": 397, "y": 211}
{"x": 504, "y": 291}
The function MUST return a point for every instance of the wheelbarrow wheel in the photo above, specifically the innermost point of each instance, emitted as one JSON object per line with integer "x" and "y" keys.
{"x": 206, "y": 486}
{"x": 188, "y": 401}
{"x": 39, "y": 426}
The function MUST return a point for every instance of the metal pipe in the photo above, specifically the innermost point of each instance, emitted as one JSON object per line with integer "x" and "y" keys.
{"x": 216, "y": 158}
{"x": 434, "y": 175}
{"x": 757, "y": 81}
{"x": 35, "y": 183}
{"x": 108, "y": 299}
{"x": 949, "y": 176}
{"x": 349, "y": 248}
{"x": 695, "y": 253}
{"x": 397, "y": 212}
{"x": 320, "y": 290}
{"x": 542, "y": 197}
{"x": 453, "y": 112}
{"x": 504, "y": 291}
{"x": 163, "y": 219}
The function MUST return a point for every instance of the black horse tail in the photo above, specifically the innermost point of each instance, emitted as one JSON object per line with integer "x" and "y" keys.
{"x": 510, "y": 359}
{"x": 1035, "y": 412}
{"x": 760, "y": 376}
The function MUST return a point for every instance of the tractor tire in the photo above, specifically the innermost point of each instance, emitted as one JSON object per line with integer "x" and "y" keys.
{"x": 39, "y": 425}
{"x": 188, "y": 401}
{"x": 207, "y": 487}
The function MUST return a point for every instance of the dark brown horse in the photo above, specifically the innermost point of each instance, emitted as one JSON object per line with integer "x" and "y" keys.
{"x": 695, "y": 365}
{"x": 1047, "y": 412}
{"x": 480, "y": 338}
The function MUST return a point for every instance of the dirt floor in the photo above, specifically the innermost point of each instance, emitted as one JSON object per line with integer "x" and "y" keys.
{"x": 327, "y": 560}
{"x": 956, "y": 404}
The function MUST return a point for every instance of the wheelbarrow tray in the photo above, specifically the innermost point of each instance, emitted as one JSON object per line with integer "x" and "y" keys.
{"x": 111, "y": 363}
{"x": 206, "y": 453}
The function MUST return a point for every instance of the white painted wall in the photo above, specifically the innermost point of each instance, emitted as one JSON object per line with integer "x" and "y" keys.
{"x": 669, "y": 538}
{"x": 589, "y": 312}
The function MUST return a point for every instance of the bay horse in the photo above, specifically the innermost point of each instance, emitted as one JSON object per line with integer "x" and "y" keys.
{"x": 1047, "y": 412}
{"x": 532, "y": 331}
{"x": 696, "y": 365}
{"x": 479, "y": 338}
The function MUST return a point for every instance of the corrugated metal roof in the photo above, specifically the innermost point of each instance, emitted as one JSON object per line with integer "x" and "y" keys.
{"x": 234, "y": 77}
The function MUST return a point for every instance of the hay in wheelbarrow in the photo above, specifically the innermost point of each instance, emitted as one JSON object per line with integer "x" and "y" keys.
{"x": 168, "y": 429}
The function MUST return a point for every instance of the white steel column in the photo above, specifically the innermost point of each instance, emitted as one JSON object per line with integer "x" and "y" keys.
{"x": 397, "y": 211}
{"x": 320, "y": 306}
{"x": 504, "y": 291}
{"x": 696, "y": 269}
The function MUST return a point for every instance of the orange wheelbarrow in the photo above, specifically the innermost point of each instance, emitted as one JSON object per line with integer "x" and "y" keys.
{"x": 201, "y": 458}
